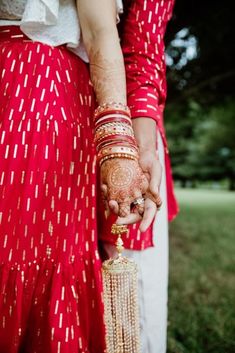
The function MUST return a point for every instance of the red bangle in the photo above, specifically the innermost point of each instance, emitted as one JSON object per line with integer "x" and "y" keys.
{"x": 117, "y": 143}
{"x": 112, "y": 112}
{"x": 115, "y": 137}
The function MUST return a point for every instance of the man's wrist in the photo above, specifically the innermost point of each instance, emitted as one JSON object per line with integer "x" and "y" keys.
{"x": 145, "y": 130}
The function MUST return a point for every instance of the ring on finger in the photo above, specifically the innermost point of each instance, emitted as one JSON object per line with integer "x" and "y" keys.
{"x": 138, "y": 201}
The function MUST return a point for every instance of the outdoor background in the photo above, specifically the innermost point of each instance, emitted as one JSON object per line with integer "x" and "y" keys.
{"x": 200, "y": 124}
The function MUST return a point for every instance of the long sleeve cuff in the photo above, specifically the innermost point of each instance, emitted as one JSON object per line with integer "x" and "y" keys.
{"x": 143, "y": 102}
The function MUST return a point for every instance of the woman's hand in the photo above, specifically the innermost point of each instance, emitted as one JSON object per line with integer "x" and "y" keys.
{"x": 122, "y": 182}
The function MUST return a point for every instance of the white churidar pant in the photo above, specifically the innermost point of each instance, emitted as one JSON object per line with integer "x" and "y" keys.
{"x": 153, "y": 277}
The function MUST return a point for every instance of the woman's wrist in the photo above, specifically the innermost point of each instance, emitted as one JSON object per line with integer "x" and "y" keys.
{"x": 114, "y": 135}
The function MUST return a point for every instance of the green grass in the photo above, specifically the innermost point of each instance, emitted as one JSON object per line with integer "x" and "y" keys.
{"x": 202, "y": 266}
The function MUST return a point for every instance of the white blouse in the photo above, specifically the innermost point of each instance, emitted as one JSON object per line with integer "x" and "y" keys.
{"x": 53, "y": 22}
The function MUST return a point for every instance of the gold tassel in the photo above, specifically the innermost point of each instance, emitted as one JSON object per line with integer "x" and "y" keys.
{"x": 121, "y": 300}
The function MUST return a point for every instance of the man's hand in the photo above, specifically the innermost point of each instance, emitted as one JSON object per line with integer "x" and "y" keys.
{"x": 145, "y": 130}
{"x": 152, "y": 169}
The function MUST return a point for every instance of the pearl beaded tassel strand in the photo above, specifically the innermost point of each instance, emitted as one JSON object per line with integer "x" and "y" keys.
{"x": 121, "y": 301}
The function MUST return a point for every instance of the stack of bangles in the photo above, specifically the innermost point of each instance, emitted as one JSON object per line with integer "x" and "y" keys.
{"x": 114, "y": 135}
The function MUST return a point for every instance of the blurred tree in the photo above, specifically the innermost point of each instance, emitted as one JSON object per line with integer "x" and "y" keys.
{"x": 181, "y": 138}
{"x": 201, "y": 76}
{"x": 216, "y": 144}
{"x": 201, "y": 46}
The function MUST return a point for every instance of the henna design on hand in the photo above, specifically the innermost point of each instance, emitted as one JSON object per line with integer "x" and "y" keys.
{"x": 124, "y": 179}
{"x": 121, "y": 176}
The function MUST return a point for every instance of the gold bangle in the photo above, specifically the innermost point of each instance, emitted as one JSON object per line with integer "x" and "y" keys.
{"x": 118, "y": 155}
{"x": 117, "y": 129}
{"x": 118, "y": 149}
{"x": 114, "y": 123}
{"x": 99, "y": 138}
{"x": 111, "y": 106}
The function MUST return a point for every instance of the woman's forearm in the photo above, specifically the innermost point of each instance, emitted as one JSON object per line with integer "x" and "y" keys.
{"x": 100, "y": 36}
{"x": 107, "y": 69}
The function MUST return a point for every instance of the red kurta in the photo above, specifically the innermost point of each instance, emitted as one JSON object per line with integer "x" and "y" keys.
{"x": 142, "y": 41}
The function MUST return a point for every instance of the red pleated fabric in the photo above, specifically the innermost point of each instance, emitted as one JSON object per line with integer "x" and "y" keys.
{"x": 50, "y": 285}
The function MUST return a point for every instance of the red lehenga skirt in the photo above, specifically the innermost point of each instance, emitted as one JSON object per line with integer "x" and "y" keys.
{"x": 50, "y": 284}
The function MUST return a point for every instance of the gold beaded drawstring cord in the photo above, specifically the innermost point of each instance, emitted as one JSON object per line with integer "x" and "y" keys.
{"x": 121, "y": 310}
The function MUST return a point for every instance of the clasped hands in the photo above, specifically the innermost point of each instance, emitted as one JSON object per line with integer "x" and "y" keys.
{"x": 123, "y": 181}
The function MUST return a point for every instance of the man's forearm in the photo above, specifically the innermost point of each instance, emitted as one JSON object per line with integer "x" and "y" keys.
{"x": 145, "y": 133}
